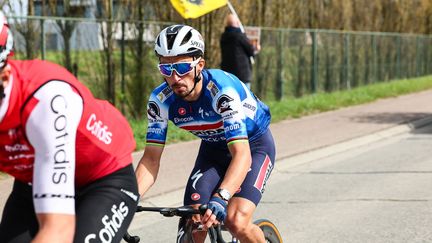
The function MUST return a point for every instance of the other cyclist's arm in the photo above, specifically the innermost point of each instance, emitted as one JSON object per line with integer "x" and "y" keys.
{"x": 53, "y": 117}
{"x": 148, "y": 168}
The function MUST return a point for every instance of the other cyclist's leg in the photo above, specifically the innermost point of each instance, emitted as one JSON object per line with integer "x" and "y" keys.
{"x": 105, "y": 208}
{"x": 19, "y": 223}
{"x": 242, "y": 206}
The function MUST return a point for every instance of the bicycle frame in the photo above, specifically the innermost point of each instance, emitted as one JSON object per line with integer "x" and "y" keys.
{"x": 184, "y": 211}
{"x": 215, "y": 233}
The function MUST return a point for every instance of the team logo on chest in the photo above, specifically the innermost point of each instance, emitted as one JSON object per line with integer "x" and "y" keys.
{"x": 153, "y": 110}
{"x": 223, "y": 103}
{"x": 182, "y": 111}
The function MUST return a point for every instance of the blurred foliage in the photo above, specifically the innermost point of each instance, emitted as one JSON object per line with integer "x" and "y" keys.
{"x": 124, "y": 71}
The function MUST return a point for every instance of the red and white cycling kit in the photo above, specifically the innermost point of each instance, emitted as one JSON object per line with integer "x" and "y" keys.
{"x": 55, "y": 135}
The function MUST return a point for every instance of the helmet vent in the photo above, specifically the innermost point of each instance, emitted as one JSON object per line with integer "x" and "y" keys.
{"x": 170, "y": 41}
{"x": 186, "y": 38}
{"x": 158, "y": 41}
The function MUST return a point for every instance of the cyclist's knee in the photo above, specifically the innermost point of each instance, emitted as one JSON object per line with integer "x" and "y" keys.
{"x": 239, "y": 218}
{"x": 238, "y": 222}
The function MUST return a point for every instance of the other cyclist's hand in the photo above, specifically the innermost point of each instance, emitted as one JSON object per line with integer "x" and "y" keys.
{"x": 218, "y": 207}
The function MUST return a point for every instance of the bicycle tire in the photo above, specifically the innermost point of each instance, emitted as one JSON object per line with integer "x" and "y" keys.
{"x": 271, "y": 233}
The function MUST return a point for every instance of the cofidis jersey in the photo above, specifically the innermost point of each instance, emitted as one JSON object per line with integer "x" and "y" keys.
{"x": 102, "y": 138}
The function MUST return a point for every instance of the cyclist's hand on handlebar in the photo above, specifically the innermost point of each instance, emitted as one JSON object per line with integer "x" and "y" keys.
{"x": 216, "y": 212}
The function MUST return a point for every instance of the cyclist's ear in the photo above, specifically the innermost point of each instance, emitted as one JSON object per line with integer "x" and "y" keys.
{"x": 201, "y": 64}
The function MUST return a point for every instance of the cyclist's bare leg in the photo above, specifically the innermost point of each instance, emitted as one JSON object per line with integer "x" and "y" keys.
{"x": 239, "y": 221}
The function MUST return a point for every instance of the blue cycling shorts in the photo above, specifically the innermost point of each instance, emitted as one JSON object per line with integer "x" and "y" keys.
{"x": 213, "y": 161}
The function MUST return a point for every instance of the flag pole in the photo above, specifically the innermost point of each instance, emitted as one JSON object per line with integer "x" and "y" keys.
{"x": 241, "y": 25}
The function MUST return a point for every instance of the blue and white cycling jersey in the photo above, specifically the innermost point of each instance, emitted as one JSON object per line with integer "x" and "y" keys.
{"x": 226, "y": 111}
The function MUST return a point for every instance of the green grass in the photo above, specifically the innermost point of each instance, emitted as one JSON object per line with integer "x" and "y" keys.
{"x": 311, "y": 104}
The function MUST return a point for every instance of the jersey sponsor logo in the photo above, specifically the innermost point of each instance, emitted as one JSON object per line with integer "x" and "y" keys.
{"x": 23, "y": 166}
{"x": 184, "y": 119}
{"x": 214, "y": 139}
{"x": 112, "y": 223}
{"x": 249, "y": 106}
{"x": 208, "y": 132}
{"x": 263, "y": 175}
{"x": 153, "y": 110}
{"x": 164, "y": 94}
{"x": 13, "y": 133}
{"x": 223, "y": 103}
{"x": 195, "y": 196}
{"x": 201, "y": 111}
{"x": 195, "y": 177}
{"x": 182, "y": 111}
{"x": 98, "y": 129}
{"x": 17, "y": 148}
{"x": 205, "y": 113}
{"x": 232, "y": 127}
{"x": 130, "y": 194}
{"x": 212, "y": 88}
{"x": 61, "y": 165}
{"x": 155, "y": 130}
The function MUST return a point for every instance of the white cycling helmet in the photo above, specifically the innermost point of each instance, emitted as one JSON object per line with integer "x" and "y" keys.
{"x": 179, "y": 40}
{"x": 6, "y": 40}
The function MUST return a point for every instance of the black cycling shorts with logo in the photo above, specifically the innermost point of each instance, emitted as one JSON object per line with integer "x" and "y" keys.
{"x": 213, "y": 161}
{"x": 104, "y": 210}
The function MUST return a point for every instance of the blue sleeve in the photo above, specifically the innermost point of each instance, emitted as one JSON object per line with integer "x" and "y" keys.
{"x": 157, "y": 114}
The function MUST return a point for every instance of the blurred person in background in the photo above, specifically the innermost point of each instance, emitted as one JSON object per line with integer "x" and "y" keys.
{"x": 237, "y": 51}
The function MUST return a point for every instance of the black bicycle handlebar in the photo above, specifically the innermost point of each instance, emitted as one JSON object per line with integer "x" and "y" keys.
{"x": 170, "y": 212}
{"x": 182, "y": 211}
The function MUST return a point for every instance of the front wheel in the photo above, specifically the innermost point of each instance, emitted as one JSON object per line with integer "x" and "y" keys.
{"x": 271, "y": 233}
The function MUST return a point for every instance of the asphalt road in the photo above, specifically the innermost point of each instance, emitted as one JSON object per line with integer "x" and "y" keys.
{"x": 380, "y": 192}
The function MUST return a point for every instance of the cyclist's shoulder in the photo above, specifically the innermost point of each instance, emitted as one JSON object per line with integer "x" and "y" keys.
{"x": 41, "y": 66}
{"x": 217, "y": 81}
{"x": 217, "y": 75}
{"x": 162, "y": 96}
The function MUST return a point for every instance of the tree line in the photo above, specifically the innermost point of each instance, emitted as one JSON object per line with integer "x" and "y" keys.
{"x": 399, "y": 16}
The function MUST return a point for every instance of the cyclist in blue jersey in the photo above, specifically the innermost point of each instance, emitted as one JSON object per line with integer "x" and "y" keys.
{"x": 237, "y": 151}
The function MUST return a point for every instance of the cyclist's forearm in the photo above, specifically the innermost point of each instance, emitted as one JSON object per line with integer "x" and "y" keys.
{"x": 146, "y": 175}
{"x": 238, "y": 169}
{"x": 55, "y": 228}
{"x": 235, "y": 175}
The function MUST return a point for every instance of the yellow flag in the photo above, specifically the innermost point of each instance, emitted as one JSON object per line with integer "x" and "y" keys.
{"x": 190, "y": 9}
